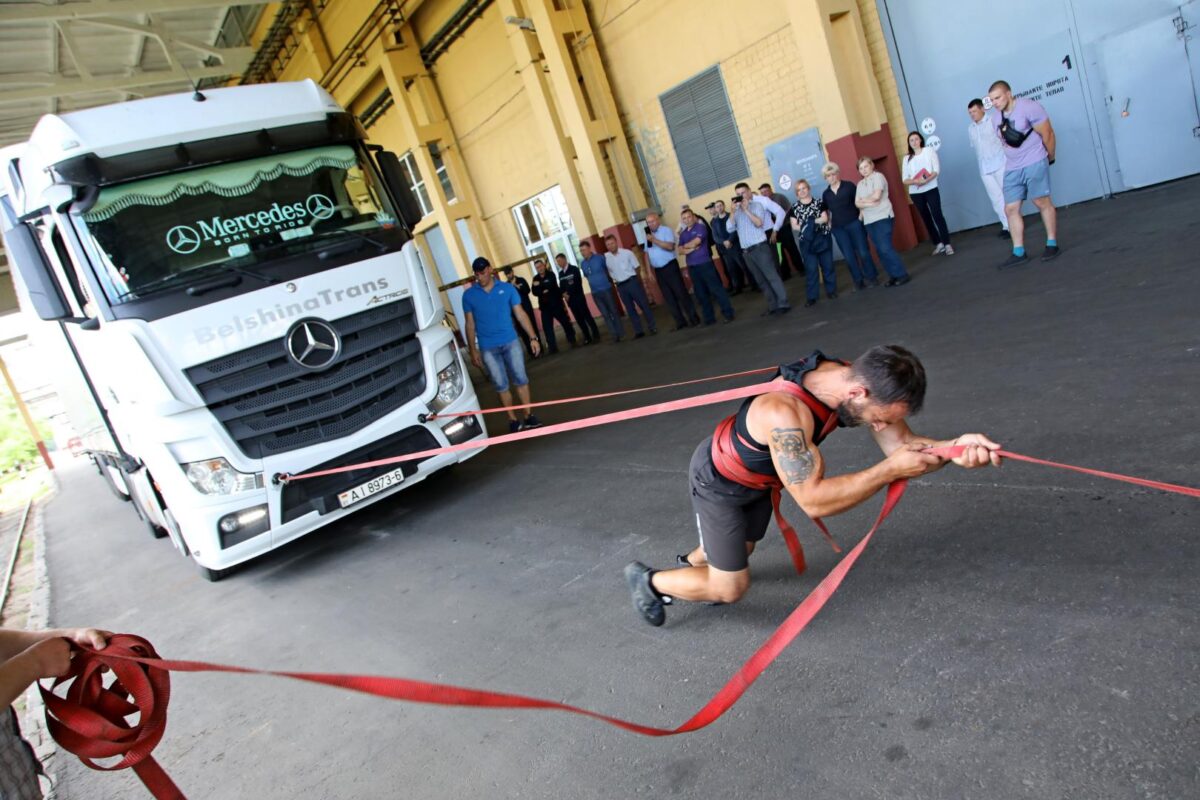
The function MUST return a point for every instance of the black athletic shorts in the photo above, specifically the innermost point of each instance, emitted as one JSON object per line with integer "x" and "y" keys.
{"x": 727, "y": 514}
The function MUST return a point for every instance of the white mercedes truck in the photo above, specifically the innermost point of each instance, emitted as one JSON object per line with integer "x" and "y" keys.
{"x": 229, "y": 292}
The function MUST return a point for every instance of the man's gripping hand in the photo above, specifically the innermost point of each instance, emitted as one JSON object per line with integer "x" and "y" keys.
{"x": 980, "y": 451}
{"x": 911, "y": 461}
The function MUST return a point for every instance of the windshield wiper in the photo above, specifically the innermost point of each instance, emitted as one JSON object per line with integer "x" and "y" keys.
{"x": 330, "y": 251}
{"x": 192, "y": 274}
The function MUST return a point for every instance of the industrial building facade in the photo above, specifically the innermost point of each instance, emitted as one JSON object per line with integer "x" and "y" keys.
{"x": 526, "y": 125}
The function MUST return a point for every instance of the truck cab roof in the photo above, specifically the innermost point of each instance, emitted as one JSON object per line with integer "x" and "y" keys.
{"x": 177, "y": 118}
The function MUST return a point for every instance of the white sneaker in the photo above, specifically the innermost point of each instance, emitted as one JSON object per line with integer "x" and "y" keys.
{"x": 941, "y": 248}
{"x": 949, "y": 250}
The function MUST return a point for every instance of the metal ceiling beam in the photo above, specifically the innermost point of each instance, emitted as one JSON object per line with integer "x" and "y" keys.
{"x": 35, "y": 12}
{"x": 62, "y": 87}
{"x": 68, "y": 39}
{"x": 155, "y": 30}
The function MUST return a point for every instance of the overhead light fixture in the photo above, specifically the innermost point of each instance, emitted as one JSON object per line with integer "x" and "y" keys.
{"x": 524, "y": 23}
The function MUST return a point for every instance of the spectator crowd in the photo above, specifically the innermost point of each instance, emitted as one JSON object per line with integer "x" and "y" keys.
{"x": 762, "y": 239}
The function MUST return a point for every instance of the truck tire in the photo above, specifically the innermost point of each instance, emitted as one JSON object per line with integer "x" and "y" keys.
{"x": 106, "y": 466}
{"x": 212, "y": 575}
{"x": 156, "y": 531}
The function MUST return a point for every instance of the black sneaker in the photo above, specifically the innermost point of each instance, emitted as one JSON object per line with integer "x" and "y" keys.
{"x": 1013, "y": 260}
{"x": 531, "y": 422}
{"x": 514, "y": 426}
{"x": 1051, "y": 252}
{"x": 646, "y": 601}
{"x": 897, "y": 282}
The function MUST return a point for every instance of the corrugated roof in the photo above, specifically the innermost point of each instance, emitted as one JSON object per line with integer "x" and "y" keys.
{"x": 69, "y": 56}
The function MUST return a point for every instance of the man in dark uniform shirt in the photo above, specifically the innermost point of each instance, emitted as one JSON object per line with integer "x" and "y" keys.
{"x": 791, "y": 253}
{"x": 550, "y": 303}
{"x": 522, "y": 286}
{"x": 570, "y": 280}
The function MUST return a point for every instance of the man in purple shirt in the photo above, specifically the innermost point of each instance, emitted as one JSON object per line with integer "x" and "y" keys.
{"x": 1028, "y": 138}
{"x": 694, "y": 244}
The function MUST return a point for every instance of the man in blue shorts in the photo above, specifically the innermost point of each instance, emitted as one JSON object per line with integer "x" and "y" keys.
{"x": 1023, "y": 127}
{"x": 489, "y": 307}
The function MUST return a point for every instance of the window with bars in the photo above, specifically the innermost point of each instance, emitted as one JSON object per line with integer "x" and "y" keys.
{"x": 443, "y": 175}
{"x": 546, "y": 227}
{"x": 412, "y": 175}
{"x": 704, "y": 133}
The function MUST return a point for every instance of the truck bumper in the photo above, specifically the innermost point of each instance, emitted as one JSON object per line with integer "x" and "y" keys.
{"x": 296, "y": 509}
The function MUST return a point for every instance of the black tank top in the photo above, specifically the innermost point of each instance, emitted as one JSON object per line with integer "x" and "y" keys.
{"x": 755, "y": 455}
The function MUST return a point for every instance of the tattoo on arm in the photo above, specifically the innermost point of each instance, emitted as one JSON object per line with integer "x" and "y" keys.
{"x": 792, "y": 454}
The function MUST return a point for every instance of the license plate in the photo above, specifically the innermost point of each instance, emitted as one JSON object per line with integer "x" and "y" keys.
{"x": 373, "y": 486}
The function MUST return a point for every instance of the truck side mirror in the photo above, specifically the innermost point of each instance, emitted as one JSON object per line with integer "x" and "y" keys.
{"x": 402, "y": 196}
{"x": 30, "y": 264}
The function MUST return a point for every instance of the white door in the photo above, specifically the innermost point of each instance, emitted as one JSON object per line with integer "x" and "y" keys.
{"x": 1151, "y": 99}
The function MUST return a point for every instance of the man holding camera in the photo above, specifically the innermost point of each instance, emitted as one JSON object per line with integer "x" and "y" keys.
{"x": 754, "y": 219}
{"x": 660, "y": 250}
{"x": 1024, "y": 128}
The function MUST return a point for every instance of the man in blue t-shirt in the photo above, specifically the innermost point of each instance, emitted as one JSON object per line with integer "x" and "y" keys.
{"x": 489, "y": 307}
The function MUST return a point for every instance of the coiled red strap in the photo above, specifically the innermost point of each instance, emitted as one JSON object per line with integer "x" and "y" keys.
{"x": 90, "y": 720}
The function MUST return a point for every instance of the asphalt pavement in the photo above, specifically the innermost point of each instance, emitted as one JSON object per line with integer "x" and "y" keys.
{"x": 1010, "y": 633}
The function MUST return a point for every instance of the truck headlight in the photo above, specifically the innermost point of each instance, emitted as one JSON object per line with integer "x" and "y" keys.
{"x": 216, "y": 476}
{"x": 449, "y": 385}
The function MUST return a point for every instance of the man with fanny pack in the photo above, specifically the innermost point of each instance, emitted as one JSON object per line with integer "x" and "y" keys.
{"x": 1028, "y": 138}
{"x": 769, "y": 446}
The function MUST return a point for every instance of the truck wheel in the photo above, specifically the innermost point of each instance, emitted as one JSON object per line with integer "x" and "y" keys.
{"x": 212, "y": 575}
{"x": 106, "y": 467}
{"x": 155, "y": 531}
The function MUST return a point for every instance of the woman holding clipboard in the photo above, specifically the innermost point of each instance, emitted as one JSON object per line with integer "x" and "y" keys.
{"x": 920, "y": 175}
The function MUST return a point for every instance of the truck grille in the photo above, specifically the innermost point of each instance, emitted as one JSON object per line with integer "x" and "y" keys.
{"x": 270, "y": 405}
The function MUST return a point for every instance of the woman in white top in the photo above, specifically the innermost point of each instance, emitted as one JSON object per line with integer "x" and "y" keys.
{"x": 920, "y": 175}
{"x": 871, "y": 197}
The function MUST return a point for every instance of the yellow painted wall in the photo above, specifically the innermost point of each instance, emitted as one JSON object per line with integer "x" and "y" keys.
{"x": 762, "y": 73}
{"x": 499, "y": 138}
{"x": 647, "y": 48}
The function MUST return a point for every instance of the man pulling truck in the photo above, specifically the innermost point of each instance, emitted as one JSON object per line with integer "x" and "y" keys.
{"x": 771, "y": 445}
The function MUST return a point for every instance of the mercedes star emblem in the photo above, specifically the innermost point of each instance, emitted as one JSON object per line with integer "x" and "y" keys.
{"x": 313, "y": 344}
{"x": 320, "y": 206}
{"x": 183, "y": 239}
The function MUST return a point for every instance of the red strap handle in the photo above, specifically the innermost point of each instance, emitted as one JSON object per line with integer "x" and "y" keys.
{"x": 90, "y": 722}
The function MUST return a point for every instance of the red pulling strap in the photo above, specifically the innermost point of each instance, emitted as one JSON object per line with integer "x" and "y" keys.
{"x": 954, "y": 451}
{"x": 602, "y": 395}
{"x": 90, "y": 720}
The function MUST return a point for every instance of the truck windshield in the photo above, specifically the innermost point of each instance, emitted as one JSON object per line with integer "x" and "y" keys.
{"x": 170, "y": 231}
